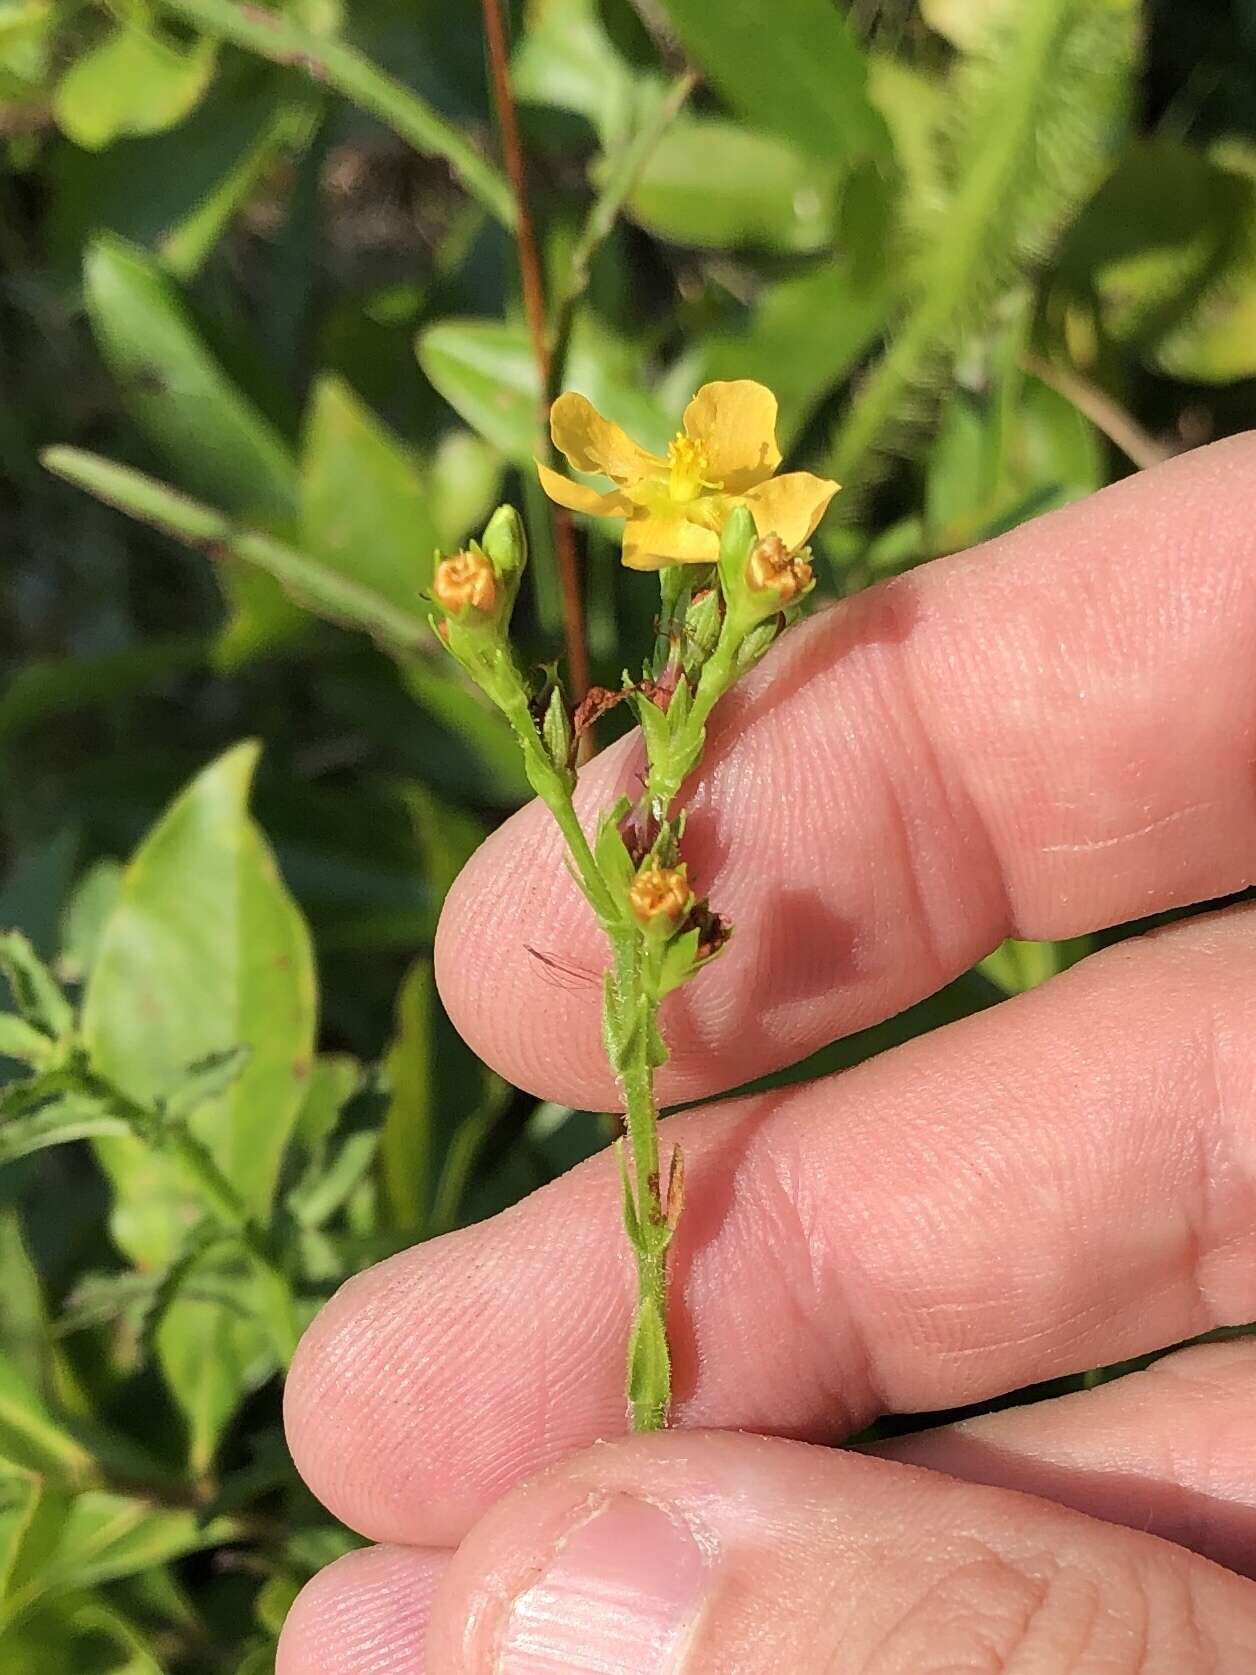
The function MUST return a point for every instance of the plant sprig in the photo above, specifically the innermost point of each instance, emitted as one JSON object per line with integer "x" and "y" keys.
{"x": 715, "y": 621}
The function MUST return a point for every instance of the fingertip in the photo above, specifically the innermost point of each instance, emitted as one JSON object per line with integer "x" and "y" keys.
{"x": 366, "y": 1614}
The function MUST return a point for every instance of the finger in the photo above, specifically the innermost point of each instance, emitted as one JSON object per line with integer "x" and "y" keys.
{"x": 1047, "y": 735}
{"x": 1057, "y": 1183}
{"x": 367, "y": 1614}
{"x": 1171, "y": 1451}
{"x": 705, "y": 1553}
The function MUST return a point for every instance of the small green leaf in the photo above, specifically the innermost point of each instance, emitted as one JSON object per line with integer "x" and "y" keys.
{"x": 58, "y": 1123}
{"x": 34, "y": 989}
{"x": 89, "y": 907}
{"x": 131, "y": 82}
{"x": 22, "y": 1041}
{"x": 31, "y": 1438}
{"x": 609, "y": 851}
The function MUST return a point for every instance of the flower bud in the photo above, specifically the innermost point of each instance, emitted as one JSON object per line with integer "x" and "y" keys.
{"x": 702, "y": 627}
{"x": 505, "y": 543}
{"x": 556, "y": 730}
{"x": 660, "y": 893}
{"x": 466, "y": 584}
{"x": 772, "y": 568}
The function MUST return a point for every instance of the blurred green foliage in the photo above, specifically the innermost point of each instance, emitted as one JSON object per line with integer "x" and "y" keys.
{"x": 259, "y": 289}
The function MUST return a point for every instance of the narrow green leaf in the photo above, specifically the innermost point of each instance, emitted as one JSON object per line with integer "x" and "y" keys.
{"x": 214, "y": 441}
{"x": 57, "y": 1124}
{"x": 407, "y": 1144}
{"x": 22, "y": 1041}
{"x": 323, "y": 587}
{"x": 31, "y": 1438}
{"x": 796, "y": 69}
{"x": 649, "y": 1368}
{"x": 35, "y": 991}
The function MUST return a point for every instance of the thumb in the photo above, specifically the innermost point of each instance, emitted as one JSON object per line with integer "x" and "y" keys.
{"x": 696, "y": 1553}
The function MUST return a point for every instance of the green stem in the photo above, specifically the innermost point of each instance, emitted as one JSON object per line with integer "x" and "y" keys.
{"x": 649, "y": 1360}
{"x": 667, "y": 774}
{"x": 280, "y": 38}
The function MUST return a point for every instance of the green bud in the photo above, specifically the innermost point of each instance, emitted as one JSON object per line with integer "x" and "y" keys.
{"x": 505, "y": 543}
{"x": 735, "y": 543}
{"x": 756, "y": 643}
{"x": 556, "y": 731}
{"x": 702, "y": 628}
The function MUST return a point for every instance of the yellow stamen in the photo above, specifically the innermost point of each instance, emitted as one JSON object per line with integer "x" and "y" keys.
{"x": 689, "y": 466}
{"x": 660, "y": 890}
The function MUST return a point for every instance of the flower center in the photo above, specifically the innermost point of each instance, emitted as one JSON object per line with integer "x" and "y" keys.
{"x": 689, "y": 465}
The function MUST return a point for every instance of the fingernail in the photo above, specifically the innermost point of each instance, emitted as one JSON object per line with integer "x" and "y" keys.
{"x": 621, "y": 1595}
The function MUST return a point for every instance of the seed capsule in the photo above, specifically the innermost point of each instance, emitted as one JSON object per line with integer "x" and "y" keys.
{"x": 773, "y": 567}
{"x": 660, "y": 892}
{"x": 465, "y": 582}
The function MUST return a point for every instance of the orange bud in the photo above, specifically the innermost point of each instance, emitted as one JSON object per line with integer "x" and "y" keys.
{"x": 660, "y": 891}
{"x": 772, "y": 566}
{"x": 467, "y": 581}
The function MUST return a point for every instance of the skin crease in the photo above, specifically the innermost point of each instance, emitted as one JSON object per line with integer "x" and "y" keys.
{"x": 1050, "y": 734}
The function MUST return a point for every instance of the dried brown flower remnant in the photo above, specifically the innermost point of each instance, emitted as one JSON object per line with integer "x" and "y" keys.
{"x": 772, "y": 565}
{"x": 660, "y": 891}
{"x": 467, "y": 581}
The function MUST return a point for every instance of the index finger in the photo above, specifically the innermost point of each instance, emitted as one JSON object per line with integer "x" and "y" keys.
{"x": 1049, "y": 734}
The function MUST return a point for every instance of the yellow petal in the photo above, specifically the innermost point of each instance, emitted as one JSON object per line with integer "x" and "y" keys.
{"x": 790, "y": 506}
{"x": 654, "y": 541}
{"x": 579, "y": 497}
{"x": 736, "y": 424}
{"x": 592, "y": 443}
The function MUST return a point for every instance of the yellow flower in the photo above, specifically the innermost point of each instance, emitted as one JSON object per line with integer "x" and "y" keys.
{"x": 723, "y": 456}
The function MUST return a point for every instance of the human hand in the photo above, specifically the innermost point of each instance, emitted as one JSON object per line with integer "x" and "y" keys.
{"x": 1052, "y": 734}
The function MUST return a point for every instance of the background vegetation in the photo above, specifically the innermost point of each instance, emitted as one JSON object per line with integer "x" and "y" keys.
{"x": 990, "y": 255}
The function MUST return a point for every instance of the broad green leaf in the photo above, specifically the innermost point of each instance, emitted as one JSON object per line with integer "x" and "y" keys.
{"x": 90, "y": 905}
{"x": 204, "y": 952}
{"x": 214, "y": 441}
{"x": 1149, "y": 246}
{"x": 214, "y": 1349}
{"x": 31, "y": 1438}
{"x": 33, "y": 1514}
{"x": 486, "y": 371}
{"x": 131, "y": 82}
{"x": 364, "y": 504}
{"x": 177, "y": 192}
{"x": 568, "y": 61}
{"x": 795, "y": 68}
{"x": 464, "y": 482}
{"x": 765, "y": 192}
